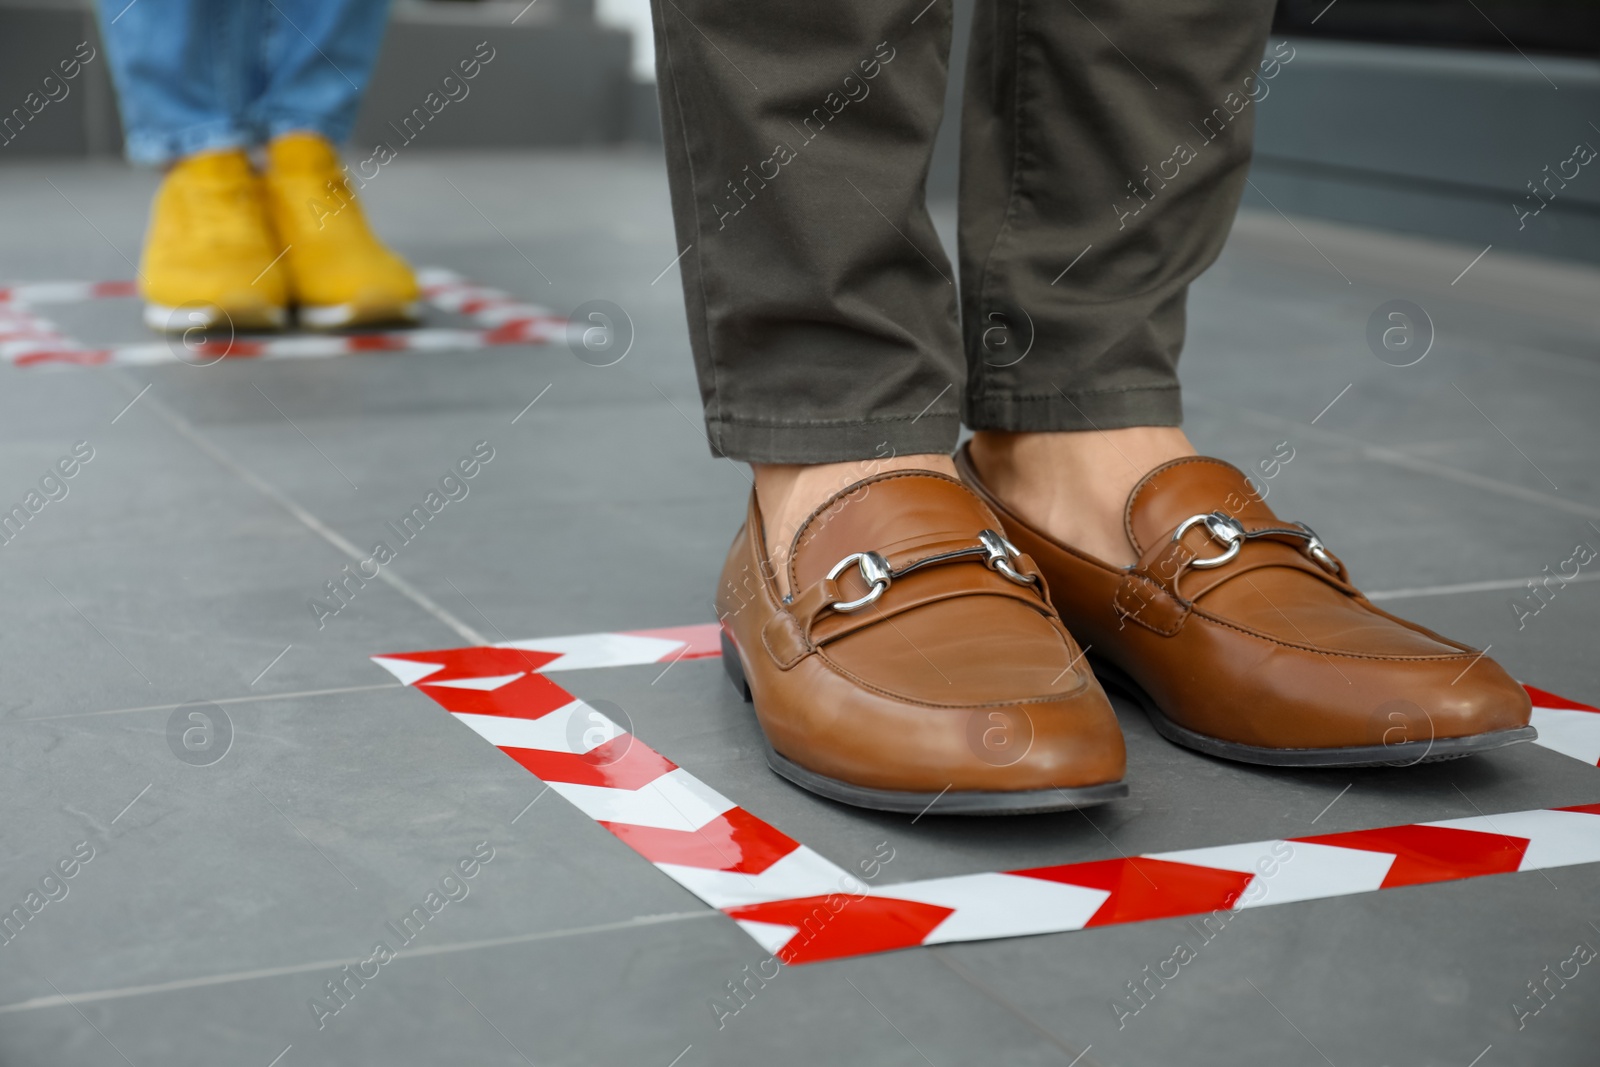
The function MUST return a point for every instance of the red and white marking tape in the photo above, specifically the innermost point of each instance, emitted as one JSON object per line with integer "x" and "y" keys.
{"x": 802, "y": 907}
{"x": 28, "y": 340}
{"x": 1565, "y": 726}
{"x": 25, "y": 336}
{"x": 64, "y": 292}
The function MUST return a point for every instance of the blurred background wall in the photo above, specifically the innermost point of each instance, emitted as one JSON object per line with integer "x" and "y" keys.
{"x": 1441, "y": 117}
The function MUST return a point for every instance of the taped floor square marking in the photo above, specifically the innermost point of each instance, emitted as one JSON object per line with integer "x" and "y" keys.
{"x": 802, "y": 907}
{"x": 27, "y": 339}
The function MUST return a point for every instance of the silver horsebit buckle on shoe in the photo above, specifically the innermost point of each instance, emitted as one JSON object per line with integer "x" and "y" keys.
{"x": 1227, "y": 531}
{"x": 996, "y": 551}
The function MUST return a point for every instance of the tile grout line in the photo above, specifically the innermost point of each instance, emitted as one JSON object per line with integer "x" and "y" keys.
{"x": 1411, "y": 592}
{"x": 1397, "y": 458}
{"x": 1495, "y": 585}
{"x": 254, "y": 698}
{"x": 303, "y": 516}
{"x": 938, "y": 952}
{"x": 1489, "y": 586}
{"x": 124, "y": 992}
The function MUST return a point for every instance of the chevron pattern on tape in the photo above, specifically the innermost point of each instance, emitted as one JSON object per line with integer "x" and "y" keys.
{"x": 801, "y": 907}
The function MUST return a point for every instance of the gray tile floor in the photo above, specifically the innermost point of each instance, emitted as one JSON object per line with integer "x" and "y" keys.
{"x": 221, "y": 900}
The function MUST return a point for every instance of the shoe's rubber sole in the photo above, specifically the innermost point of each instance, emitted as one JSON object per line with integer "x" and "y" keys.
{"x": 204, "y": 317}
{"x": 342, "y": 316}
{"x": 1401, "y": 754}
{"x": 946, "y": 802}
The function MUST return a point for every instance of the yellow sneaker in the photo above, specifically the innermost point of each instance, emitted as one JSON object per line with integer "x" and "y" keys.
{"x": 339, "y": 273}
{"x": 210, "y": 256}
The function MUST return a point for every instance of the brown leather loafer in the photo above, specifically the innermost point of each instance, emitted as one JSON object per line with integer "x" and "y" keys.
{"x": 918, "y": 660}
{"x": 1242, "y": 637}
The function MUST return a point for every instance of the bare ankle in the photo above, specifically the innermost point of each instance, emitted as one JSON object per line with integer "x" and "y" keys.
{"x": 789, "y": 492}
{"x": 1075, "y": 485}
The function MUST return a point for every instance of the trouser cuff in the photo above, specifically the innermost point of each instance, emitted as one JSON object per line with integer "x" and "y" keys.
{"x": 1106, "y": 409}
{"x": 833, "y": 442}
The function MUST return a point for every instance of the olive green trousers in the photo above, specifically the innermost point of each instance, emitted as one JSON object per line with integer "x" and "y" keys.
{"x": 1104, "y": 149}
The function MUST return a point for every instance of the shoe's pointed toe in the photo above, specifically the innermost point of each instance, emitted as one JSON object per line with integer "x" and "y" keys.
{"x": 941, "y": 684}
{"x": 1242, "y": 636}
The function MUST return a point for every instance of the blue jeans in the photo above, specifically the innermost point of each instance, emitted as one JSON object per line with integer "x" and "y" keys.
{"x": 194, "y": 75}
